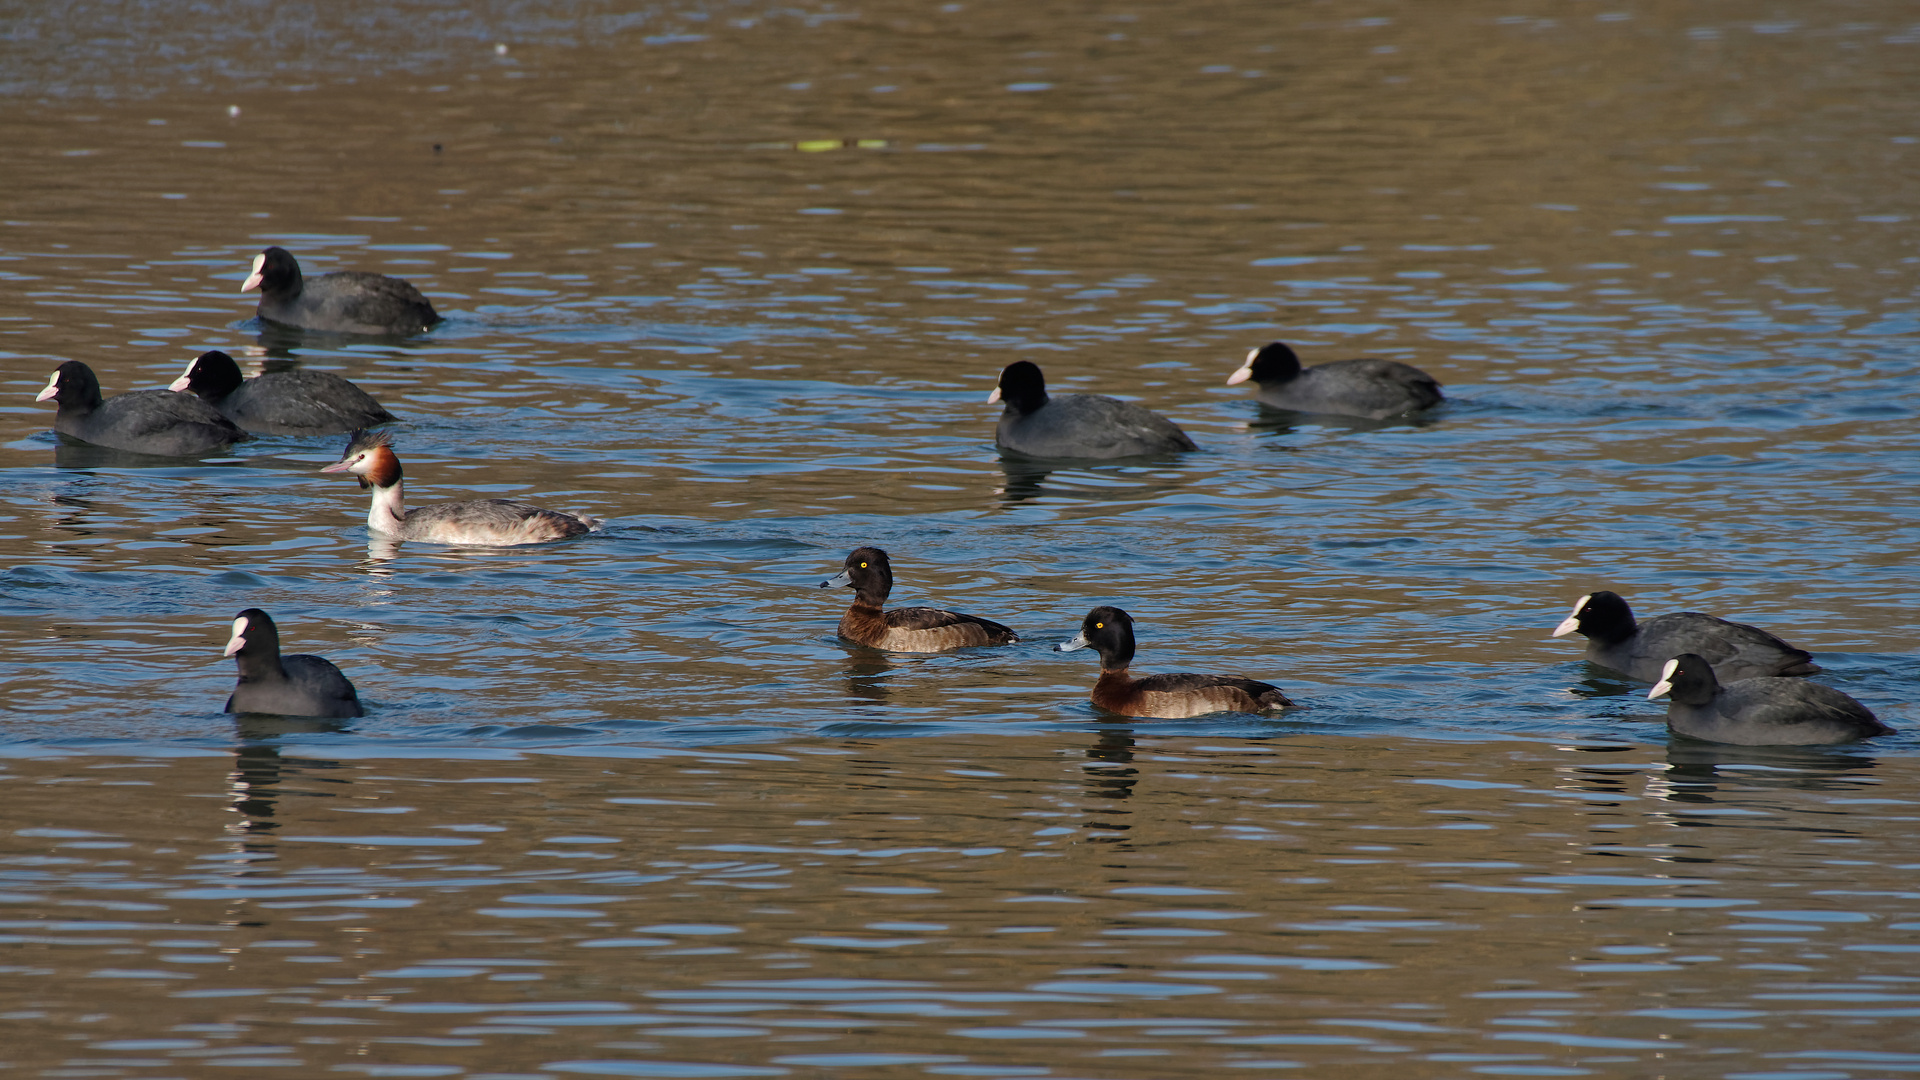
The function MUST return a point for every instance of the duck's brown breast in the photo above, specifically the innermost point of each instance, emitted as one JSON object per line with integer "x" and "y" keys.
{"x": 920, "y": 629}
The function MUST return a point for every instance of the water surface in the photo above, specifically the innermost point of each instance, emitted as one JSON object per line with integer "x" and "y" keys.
{"x": 739, "y": 279}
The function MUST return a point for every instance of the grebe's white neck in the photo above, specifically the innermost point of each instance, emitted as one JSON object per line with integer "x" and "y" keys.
{"x": 387, "y": 511}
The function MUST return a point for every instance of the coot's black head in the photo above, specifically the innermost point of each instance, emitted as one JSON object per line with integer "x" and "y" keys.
{"x": 868, "y": 573}
{"x": 1689, "y": 679}
{"x": 1022, "y": 387}
{"x": 1109, "y": 631}
{"x": 73, "y": 385}
{"x": 1602, "y": 616}
{"x": 1271, "y": 363}
{"x": 275, "y": 273}
{"x": 212, "y": 376}
{"x": 255, "y": 638}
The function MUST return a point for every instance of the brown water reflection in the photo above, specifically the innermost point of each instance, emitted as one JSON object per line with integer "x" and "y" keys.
{"x": 1103, "y": 903}
{"x": 1183, "y": 143}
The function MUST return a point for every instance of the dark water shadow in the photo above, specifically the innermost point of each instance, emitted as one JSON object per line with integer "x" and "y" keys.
{"x": 1707, "y": 764}
{"x": 280, "y": 343}
{"x": 1028, "y": 478}
{"x": 867, "y": 672}
{"x": 71, "y": 453}
{"x": 1110, "y": 775}
{"x": 1268, "y": 420}
{"x": 254, "y": 787}
{"x": 1705, "y": 774}
{"x": 1606, "y": 683}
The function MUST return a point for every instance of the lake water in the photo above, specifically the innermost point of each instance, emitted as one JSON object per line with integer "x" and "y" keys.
{"x": 739, "y": 278}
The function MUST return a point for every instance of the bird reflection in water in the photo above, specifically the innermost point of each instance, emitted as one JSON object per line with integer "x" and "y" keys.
{"x": 1698, "y": 771}
{"x": 380, "y": 549}
{"x": 1110, "y": 777}
{"x": 71, "y": 454}
{"x": 1274, "y": 422}
{"x": 1601, "y": 683}
{"x": 256, "y": 784}
{"x": 867, "y": 673}
{"x": 1106, "y": 482}
{"x": 259, "y": 780}
{"x": 282, "y": 345}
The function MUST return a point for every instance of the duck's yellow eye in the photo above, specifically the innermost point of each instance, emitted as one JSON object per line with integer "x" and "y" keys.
{"x": 1099, "y": 626}
{"x": 863, "y": 566}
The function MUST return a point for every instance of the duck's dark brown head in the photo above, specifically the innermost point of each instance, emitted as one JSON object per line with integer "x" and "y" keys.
{"x": 869, "y": 573}
{"x": 1108, "y": 631}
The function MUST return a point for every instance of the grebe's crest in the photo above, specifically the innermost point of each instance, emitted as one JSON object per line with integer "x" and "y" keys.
{"x": 364, "y": 440}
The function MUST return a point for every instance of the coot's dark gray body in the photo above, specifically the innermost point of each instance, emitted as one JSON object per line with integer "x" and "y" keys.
{"x": 1639, "y": 649}
{"x": 281, "y": 402}
{"x": 143, "y": 422}
{"x": 345, "y": 302}
{"x": 1076, "y": 425}
{"x": 296, "y": 685}
{"x": 1768, "y": 711}
{"x": 1367, "y": 387}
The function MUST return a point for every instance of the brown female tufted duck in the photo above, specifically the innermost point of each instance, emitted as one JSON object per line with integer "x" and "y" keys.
{"x": 917, "y": 629}
{"x": 1168, "y": 697}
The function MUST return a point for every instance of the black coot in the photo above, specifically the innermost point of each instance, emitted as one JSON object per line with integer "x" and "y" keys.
{"x": 1076, "y": 425}
{"x": 281, "y": 402}
{"x": 346, "y": 302}
{"x": 143, "y": 421}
